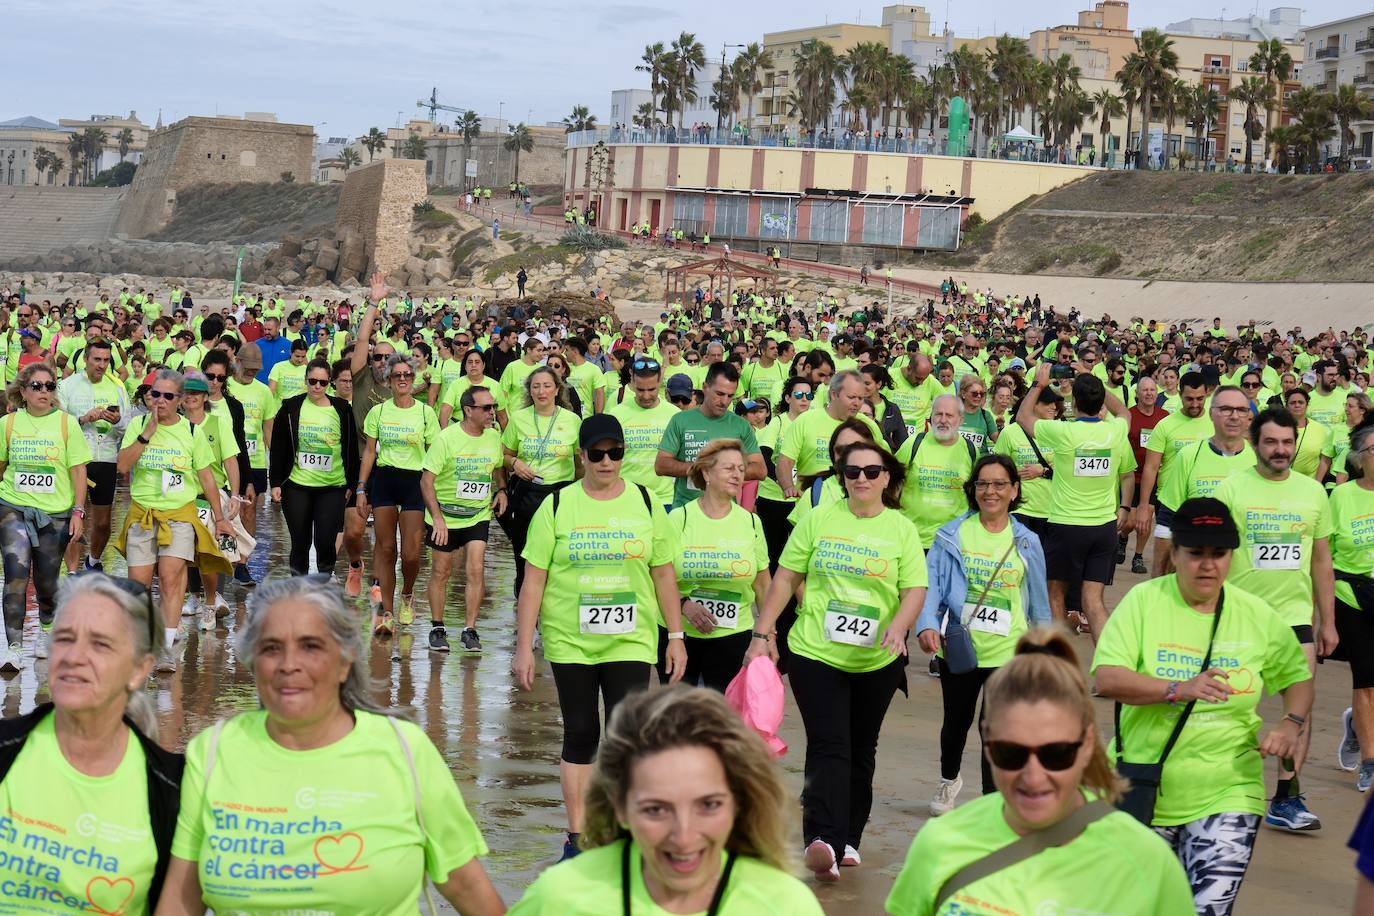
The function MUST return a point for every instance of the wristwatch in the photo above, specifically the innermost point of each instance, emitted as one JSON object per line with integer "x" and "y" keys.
{"x": 143, "y": 440}
{"x": 678, "y": 635}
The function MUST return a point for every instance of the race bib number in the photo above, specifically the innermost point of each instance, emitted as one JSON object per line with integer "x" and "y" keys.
{"x": 39, "y": 481}
{"x": 723, "y": 606}
{"x": 606, "y": 614}
{"x": 252, "y": 446}
{"x": 1277, "y": 551}
{"x": 993, "y": 617}
{"x": 974, "y": 439}
{"x": 851, "y": 624}
{"x": 911, "y": 431}
{"x": 1092, "y": 462}
{"x": 475, "y": 490}
{"x": 1145, "y": 437}
{"x": 173, "y": 481}
{"x": 203, "y": 513}
{"x": 313, "y": 461}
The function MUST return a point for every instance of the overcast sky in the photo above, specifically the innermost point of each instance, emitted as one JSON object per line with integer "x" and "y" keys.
{"x": 348, "y": 66}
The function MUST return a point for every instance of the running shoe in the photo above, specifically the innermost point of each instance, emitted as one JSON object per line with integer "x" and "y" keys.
{"x": 382, "y": 624}
{"x": 470, "y": 640}
{"x": 570, "y": 850}
{"x": 207, "y": 617}
{"x": 221, "y": 607}
{"x": 1120, "y": 552}
{"x": 945, "y": 794}
{"x": 407, "y": 611}
{"x": 1291, "y": 814}
{"x": 1348, "y": 754}
{"x": 353, "y": 585}
{"x": 243, "y": 577}
{"x": 190, "y": 605}
{"x": 95, "y": 566}
{"x": 40, "y": 645}
{"x": 1138, "y": 565}
{"x": 820, "y": 859}
{"x": 851, "y": 857}
{"x": 13, "y": 661}
{"x": 1365, "y": 778}
{"x": 438, "y": 639}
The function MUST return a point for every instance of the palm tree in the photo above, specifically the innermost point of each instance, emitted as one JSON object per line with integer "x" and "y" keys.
{"x": 645, "y": 116}
{"x": 1349, "y": 104}
{"x": 1254, "y": 92}
{"x": 1004, "y": 60}
{"x": 916, "y": 95}
{"x": 93, "y": 142}
{"x": 747, "y": 67}
{"x": 45, "y": 160}
{"x": 415, "y": 147}
{"x": 469, "y": 124}
{"x": 1157, "y": 60}
{"x": 1273, "y": 60}
{"x": 1110, "y": 106}
{"x": 76, "y": 143}
{"x": 1128, "y": 78}
{"x": 649, "y": 63}
{"x": 126, "y": 140}
{"x": 815, "y": 71}
{"x": 1314, "y": 122}
{"x": 689, "y": 57}
{"x": 725, "y": 95}
{"x": 1201, "y": 106}
{"x": 1039, "y": 85}
{"x": 895, "y": 73}
{"x": 863, "y": 65}
{"x": 967, "y": 67}
{"x": 1173, "y": 96}
{"x": 517, "y": 142}
{"x": 580, "y": 119}
{"x": 374, "y": 141}
{"x": 350, "y": 157}
{"x": 940, "y": 79}
{"x": 1283, "y": 138}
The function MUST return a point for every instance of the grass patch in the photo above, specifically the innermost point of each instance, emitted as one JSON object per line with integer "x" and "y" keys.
{"x": 1261, "y": 245}
{"x": 1109, "y": 264}
{"x": 467, "y": 244}
{"x": 1039, "y": 262}
{"x": 433, "y": 218}
{"x": 529, "y": 258}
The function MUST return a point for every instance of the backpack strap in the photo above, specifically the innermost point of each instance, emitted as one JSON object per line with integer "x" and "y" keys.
{"x": 816, "y": 486}
{"x": 916, "y": 446}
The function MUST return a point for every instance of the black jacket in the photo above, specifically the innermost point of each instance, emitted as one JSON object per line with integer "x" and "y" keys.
{"x": 163, "y": 768}
{"x": 286, "y": 439}
{"x": 236, "y": 421}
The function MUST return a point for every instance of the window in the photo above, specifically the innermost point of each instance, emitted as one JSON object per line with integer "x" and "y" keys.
{"x": 829, "y": 220}
{"x": 732, "y": 215}
{"x": 689, "y": 212}
{"x": 883, "y": 224}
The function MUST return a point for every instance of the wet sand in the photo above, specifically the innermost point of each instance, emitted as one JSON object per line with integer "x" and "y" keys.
{"x": 502, "y": 746}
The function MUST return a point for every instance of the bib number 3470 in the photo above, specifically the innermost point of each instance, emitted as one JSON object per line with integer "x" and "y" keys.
{"x": 851, "y": 624}
{"x": 610, "y": 614}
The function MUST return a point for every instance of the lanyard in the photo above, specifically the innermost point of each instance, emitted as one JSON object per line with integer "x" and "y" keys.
{"x": 544, "y": 439}
{"x": 716, "y": 899}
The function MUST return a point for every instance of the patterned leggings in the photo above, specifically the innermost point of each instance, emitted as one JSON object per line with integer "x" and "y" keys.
{"x": 22, "y": 559}
{"x": 1215, "y": 852}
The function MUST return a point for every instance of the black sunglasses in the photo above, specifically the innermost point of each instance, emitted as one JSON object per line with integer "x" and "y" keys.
{"x": 215, "y": 377}
{"x": 1055, "y": 756}
{"x": 680, "y": 399}
{"x": 378, "y": 357}
{"x": 871, "y": 471}
{"x": 595, "y": 455}
{"x": 42, "y": 386}
{"x": 321, "y": 382}
{"x": 140, "y": 591}
{"x": 168, "y": 395}
{"x": 491, "y": 406}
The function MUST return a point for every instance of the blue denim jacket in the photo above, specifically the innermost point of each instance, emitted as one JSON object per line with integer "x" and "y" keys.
{"x": 948, "y": 589}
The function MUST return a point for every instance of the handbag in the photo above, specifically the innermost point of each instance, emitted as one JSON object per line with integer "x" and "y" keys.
{"x": 960, "y": 655}
{"x": 1139, "y": 798}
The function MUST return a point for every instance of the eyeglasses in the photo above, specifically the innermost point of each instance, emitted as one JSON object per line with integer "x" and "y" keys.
{"x": 167, "y": 395}
{"x": 997, "y": 485}
{"x": 1249, "y": 384}
{"x": 871, "y": 471}
{"x": 378, "y": 357}
{"x": 595, "y": 455}
{"x": 976, "y": 394}
{"x": 402, "y": 376}
{"x": 803, "y": 395}
{"x": 1055, "y": 756}
{"x": 320, "y": 382}
{"x": 42, "y": 386}
{"x": 215, "y": 377}
{"x": 1231, "y": 411}
{"x": 680, "y": 399}
{"x": 491, "y": 406}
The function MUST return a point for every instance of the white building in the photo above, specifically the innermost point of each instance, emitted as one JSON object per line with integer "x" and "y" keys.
{"x": 1283, "y": 23}
{"x": 625, "y": 106}
{"x": 20, "y": 138}
{"x": 1337, "y": 53}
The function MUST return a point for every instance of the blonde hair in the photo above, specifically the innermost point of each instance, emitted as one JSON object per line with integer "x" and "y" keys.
{"x": 1045, "y": 668}
{"x": 707, "y": 458}
{"x": 647, "y": 722}
{"x": 14, "y": 392}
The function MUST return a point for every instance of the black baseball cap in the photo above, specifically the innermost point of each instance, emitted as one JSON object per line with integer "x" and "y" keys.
{"x": 1205, "y": 522}
{"x": 600, "y": 426}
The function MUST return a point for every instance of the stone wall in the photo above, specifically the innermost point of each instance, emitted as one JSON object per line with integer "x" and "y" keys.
{"x": 35, "y": 220}
{"x": 542, "y": 165}
{"x": 377, "y": 203}
{"x": 211, "y": 151}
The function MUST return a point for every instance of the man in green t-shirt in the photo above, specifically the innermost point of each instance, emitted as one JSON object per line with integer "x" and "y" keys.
{"x": 805, "y": 451}
{"x": 644, "y": 419}
{"x": 937, "y": 461}
{"x": 688, "y": 432}
{"x": 1174, "y": 433}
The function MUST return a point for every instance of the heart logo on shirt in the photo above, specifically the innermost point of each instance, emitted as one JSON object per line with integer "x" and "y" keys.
{"x": 338, "y": 853}
{"x": 1242, "y": 680}
{"x": 109, "y": 896}
{"x": 561, "y": 451}
{"x": 741, "y": 567}
{"x": 875, "y": 567}
{"x": 634, "y": 549}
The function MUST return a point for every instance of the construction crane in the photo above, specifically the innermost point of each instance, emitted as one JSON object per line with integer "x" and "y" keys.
{"x": 432, "y": 103}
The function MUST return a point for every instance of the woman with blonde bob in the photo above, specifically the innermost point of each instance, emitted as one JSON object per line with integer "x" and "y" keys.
{"x": 1050, "y": 832}
{"x": 686, "y": 813}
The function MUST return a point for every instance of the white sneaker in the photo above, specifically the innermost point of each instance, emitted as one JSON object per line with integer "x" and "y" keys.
{"x": 207, "y": 617}
{"x": 820, "y": 860}
{"x": 222, "y": 608}
{"x": 948, "y": 791}
{"x": 13, "y": 661}
{"x": 190, "y": 606}
{"x": 40, "y": 645}
{"x": 850, "y": 859}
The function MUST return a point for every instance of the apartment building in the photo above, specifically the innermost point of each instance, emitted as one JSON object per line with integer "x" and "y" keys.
{"x": 1343, "y": 52}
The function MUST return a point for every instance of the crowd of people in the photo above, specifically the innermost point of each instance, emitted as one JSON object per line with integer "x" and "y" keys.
{"x": 829, "y": 489}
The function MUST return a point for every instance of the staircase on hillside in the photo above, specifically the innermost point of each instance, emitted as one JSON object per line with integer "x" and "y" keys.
{"x": 34, "y": 220}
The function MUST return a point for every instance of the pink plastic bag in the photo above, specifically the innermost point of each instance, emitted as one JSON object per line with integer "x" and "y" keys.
{"x": 756, "y": 694}
{"x": 749, "y": 495}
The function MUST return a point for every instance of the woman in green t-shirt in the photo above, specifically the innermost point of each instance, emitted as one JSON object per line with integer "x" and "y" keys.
{"x": 474, "y": 374}
{"x": 339, "y": 806}
{"x": 1311, "y": 456}
{"x": 1051, "y": 774}
{"x": 721, "y": 560}
{"x": 287, "y": 379}
{"x": 865, "y": 575}
{"x": 43, "y": 457}
{"x": 678, "y": 750}
{"x": 988, "y": 571}
{"x": 978, "y": 425}
{"x": 224, "y": 465}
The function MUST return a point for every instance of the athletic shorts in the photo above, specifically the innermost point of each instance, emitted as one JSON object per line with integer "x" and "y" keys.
{"x": 258, "y": 476}
{"x": 395, "y": 487}
{"x": 458, "y": 538}
{"x": 1304, "y": 633}
{"x": 1164, "y": 522}
{"x": 1355, "y": 628}
{"x": 1034, "y": 523}
{"x": 1080, "y": 553}
{"x": 141, "y": 547}
{"x": 101, "y": 477}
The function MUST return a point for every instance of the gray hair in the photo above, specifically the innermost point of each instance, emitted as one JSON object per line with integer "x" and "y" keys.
{"x": 140, "y": 707}
{"x": 328, "y": 599}
{"x": 838, "y": 380}
{"x": 1361, "y": 437}
{"x": 173, "y": 376}
{"x": 398, "y": 359}
{"x": 967, "y": 379}
{"x": 958, "y": 405}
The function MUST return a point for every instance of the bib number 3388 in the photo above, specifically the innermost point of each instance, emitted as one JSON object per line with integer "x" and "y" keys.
{"x": 610, "y": 614}
{"x": 851, "y": 624}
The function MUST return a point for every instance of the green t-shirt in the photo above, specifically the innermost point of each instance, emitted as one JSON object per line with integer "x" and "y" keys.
{"x": 546, "y": 444}
{"x": 1090, "y": 456}
{"x": 165, "y": 476}
{"x": 1314, "y": 441}
{"x": 770, "y": 437}
{"x": 758, "y": 382}
{"x": 1115, "y": 866}
{"x": 449, "y": 371}
{"x": 402, "y": 433}
{"x": 333, "y": 829}
{"x": 584, "y": 379}
{"x": 980, "y": 429}
{"x": 259, "y": 406}
{"x": 318, "y": 460}
{"x": 1001, "y": 619}
{"x": 643, "y": 432}
{"x": 1169, "y": 437}
{"x": 86, "y": 847}
{"x": 913, "y": 400}
{"x": 454, "y": 394}
{"x": 582, "y": 887}
{"x": 933, "y": 492}
{"x": 220, "y": 438}
{"x": 1035, "y": 494}
{"x": 831, "y": 490}
{"x": 290, "y": 379}
{"x": 39, "y": 453}
{"x": 687, "y": 434}
{"x": 599, "y": 603}
{"x": 1215, "y": 767}
{"x": 463, "y": 466}
{"x": 1329, "y": 410}
{"x": 807, "y": 440}
{"x": 1352, "y": 534}
{"x": 1278, "y": 522}
{"x": 513, "y": 382}
{"x": 716, "y": 562}
{"x": 855, "y": 569}
{"x": 1200, "y": 470}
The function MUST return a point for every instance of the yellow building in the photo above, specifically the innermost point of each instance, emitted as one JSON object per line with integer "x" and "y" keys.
{"x": 770, "y": 105}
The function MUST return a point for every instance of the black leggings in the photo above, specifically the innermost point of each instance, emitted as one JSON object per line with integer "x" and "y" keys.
{"x": 776, "y": 530}
{"x": 577, "y": 689}
{"x": 710, "y": 662}
{"x": 313, "y": 514}
{"x": 23, "y": 559}
{"x": 960, "y": 693}
{"x": 526, "y": 498}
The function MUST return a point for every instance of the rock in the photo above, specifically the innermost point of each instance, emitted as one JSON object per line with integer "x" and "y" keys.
{"x": 415, "y": 247}
{"x": 327, "y": 259}
{"x": 311, "y": 245}
{"x": 415, "y": 279}
{"x": 413, "y": 264}
{"x": 315, "y": 276}
{"x": 396, "y": 280}
{"x": 353, "y": 260}
{"x": 289, "y": 277}
{"x": 439, "y": 268}
{"x": 291, "y": 246}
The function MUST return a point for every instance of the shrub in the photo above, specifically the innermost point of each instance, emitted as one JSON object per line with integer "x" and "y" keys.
{"x": 586, "y": 239}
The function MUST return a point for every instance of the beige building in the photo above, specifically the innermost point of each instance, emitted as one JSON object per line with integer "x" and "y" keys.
{"x": 113, "y": 125}
{"x": 1343, "y": 52}
{"x": 770, "y": 105}
{"x": 20, "y": 140}
{"x": 445, "y": 151}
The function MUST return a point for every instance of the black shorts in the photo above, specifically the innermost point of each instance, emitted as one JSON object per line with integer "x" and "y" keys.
{"x": 258, "y": 476}
{"x": 1164, "y": 516}
{"x": 1080, "y": 553}
{"x": 101, "y": 477}
{"x": 1154, "y": 496}
{"x": 458, "y": 538}
{"x": 1304, "y": 633}
{"x": 1355, "y": 629}
{"x": 1034, "y": 523}
{"x": 395, "y": 487}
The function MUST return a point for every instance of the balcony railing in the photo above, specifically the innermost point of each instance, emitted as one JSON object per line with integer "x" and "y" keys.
{"x": 1216, "y": 68}
{"x": 1323, "y": 86}
{"x": 1365, "y": 44}
{"x": 1363, "y": 79}
{"x": 1327, "y": 52}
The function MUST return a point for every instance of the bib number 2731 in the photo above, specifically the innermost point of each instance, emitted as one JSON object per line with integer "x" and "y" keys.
{"x": 610, "y": 614}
